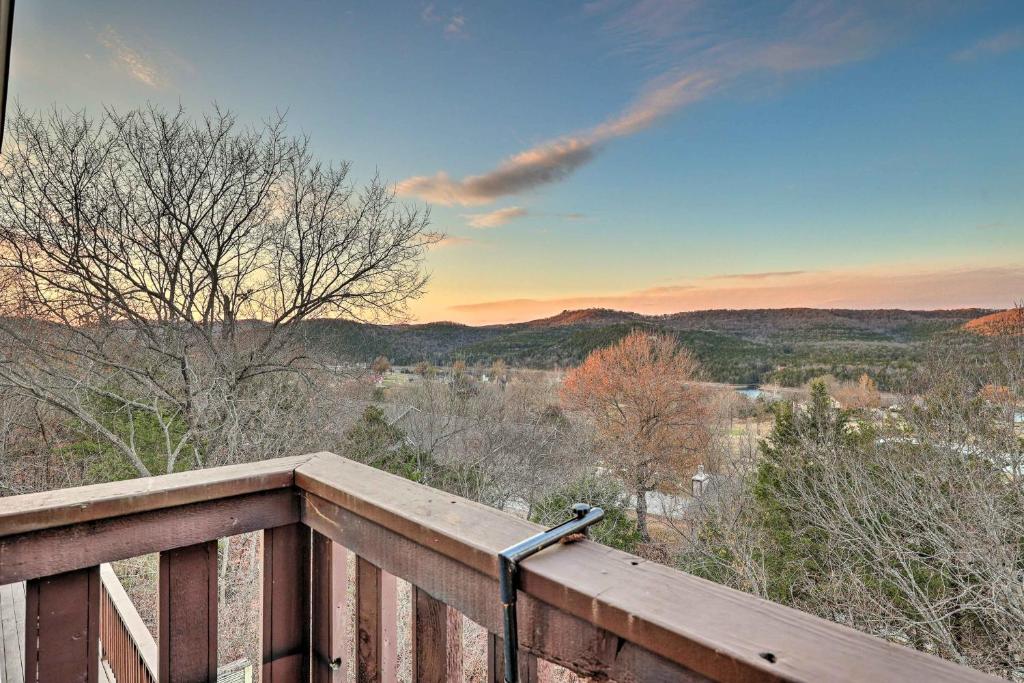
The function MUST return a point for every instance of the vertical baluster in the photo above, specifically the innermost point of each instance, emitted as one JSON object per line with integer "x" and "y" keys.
{"x": 62, "y": 620}
{"x": 376, "y": 612}
{"x": 496, "y": 662}
{"x": 188, "y": 614}
{"x": 330, "y": 592}
{"x": 436, "y": 640}
{"x": 286, "y": 619}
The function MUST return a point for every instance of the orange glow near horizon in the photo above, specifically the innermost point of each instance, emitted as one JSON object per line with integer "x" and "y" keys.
{"x": 982, "y": 287}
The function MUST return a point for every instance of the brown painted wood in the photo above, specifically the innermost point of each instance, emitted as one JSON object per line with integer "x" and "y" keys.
{"x": 528, "y": 670}
{"x": 286, "y": 606}
{"x": 330, "y": 593}
{"x": 436, "y": 640}
{"x": 62, "y": 623}
{"x": 133, "y": 655}
{"x": 544, "y": 630}
{"x": 701, "y": 626}
{"x": 376, "y": 613}
{"x": 50, "y": 551}
{"x": 35, "y": 511}
{"x": 187, "y": 636}
{"x": 495, "y": 659}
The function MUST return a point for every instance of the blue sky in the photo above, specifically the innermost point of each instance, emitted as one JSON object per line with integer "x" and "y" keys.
{"x": 657, "y": 155}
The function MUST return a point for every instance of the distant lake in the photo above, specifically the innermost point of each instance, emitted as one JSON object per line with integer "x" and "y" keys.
{"x": 753, "y": 393}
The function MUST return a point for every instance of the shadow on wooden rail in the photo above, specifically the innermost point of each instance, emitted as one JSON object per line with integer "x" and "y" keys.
{"x": 597, "y": 611}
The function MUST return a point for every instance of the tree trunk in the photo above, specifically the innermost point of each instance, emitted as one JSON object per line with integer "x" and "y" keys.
{"x": 641, "y": 515}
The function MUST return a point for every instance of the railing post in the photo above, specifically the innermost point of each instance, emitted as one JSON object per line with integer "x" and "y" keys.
{"x": 330, "y": 591}
{"x": 436, "y": 640}
{"x": 62, "y": 624}
{"x": 376, "y": 613}
{"x": 286, "y": 616}
{"x": 187, "y": 636}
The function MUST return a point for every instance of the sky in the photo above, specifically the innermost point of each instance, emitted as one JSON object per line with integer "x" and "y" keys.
{"x": 654, "y": 156}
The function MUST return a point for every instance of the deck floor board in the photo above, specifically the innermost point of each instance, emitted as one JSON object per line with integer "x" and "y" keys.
{"x": 12, "y": 632}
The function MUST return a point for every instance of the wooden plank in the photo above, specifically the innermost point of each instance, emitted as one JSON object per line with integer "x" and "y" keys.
{"x": 49, "y": 551}
{"x": 543, "y": 630}
{"x": 330, "y": 593}
{"x": 188, "y": 614}
{"x": 12, "y": 633}
{"x": 697, "y": 624}
{"x": 496, "y": 662}
{"x": 376, "y": 613}
{"x": 286, "y": 594}
{"x": 62, "y": 623}
{"x": 436, "y": 640}
{"x": 143, "y": 640}
{"x": 495, "y": 659}
{"x": 35, "y": 511}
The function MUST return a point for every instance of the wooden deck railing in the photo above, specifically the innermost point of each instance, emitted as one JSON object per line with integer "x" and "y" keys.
{"x": 126, "y": 645}
{"x": 594, "y": 610}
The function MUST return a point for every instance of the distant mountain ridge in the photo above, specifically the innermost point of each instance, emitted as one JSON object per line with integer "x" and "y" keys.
{"x": 734, "y": 345}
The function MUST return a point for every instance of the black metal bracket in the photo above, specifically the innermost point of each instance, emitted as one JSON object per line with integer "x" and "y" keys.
{"x": 508, "y": 566}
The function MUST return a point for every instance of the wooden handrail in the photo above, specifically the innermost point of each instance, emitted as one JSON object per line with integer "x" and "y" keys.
{"x": 419, "y": 533}
{"x": 125, "y": 642}
{"x": 595, "y": 610}
{"x": 60, "y": 507}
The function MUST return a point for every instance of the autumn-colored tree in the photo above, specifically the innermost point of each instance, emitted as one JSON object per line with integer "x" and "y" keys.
{"x": 380, "y": 365}
{"x": 649, "y": 413}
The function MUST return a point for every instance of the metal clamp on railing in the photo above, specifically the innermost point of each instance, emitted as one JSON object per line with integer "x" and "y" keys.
{"x": 508, "y": 565}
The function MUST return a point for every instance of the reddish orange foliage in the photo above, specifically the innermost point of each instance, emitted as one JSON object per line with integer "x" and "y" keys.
{"x": 652, "y": 417}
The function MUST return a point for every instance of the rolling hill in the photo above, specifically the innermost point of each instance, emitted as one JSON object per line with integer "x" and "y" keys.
{"x": 787, "y": 346}
{"x": 1003, "y": 322}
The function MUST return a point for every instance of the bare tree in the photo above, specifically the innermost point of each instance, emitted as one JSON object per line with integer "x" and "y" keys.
{"x": 907, "y": 527}
{"x": 158, "y": 269}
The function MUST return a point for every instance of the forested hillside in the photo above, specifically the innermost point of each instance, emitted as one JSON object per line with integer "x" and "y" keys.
{"x": 786, "y": 346}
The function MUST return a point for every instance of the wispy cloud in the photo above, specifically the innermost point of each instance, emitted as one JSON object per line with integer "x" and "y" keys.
{"x": 429, "y": 14}
{"x": 454, "y": 24}
{"x": 1005, "y": 41}
{"x": 493, "y": 219}
{"x": 700, "y": 47}
{"x": 554, "y": 160}
{"x": 131, "y": 60}
{"x": 768, "y": 275}
{"x": 893, "y": 287}
{"x": 452, "y": 241}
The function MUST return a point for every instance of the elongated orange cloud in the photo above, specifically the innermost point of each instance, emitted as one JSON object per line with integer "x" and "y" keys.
{"x": 493, "y": 219}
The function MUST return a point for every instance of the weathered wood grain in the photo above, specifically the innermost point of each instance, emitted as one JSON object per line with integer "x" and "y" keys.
{"x": 35, "y": 511}
{"x": 330, "y": 592}
{"x": 62, "y": 627}
{"x": 704, "y": 627}
{"x": 544, "y": 630}
{"x": 376, "y": 633}
{"x": 187, "y": 637}
{"x": 286, "y": 607}
{"x": 528, "y": 672}
{"x": 54, "y": 550}
{"x": 436, "y": 640}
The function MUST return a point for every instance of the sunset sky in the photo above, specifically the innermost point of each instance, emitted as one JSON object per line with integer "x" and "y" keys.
{"x": 654, "y": 156}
